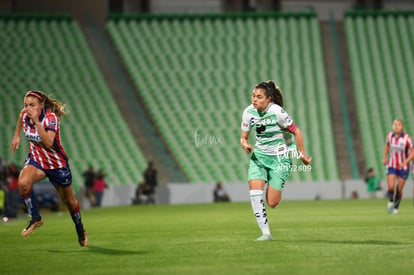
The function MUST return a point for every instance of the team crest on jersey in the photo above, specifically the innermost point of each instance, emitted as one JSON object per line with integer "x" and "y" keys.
{"x": 52, "y": 122}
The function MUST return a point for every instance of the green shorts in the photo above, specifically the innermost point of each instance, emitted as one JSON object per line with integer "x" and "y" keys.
{"x": 272, "y": 169}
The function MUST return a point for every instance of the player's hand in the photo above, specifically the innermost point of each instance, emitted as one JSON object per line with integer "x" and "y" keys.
{"x": 15, "y": 144}
{"x": 403, "y": 164}
{"x": 248, "y": 148}
{"x": 33, "y": 115}
{"x": 306, "y": 160}
{"x": 384, "y": 161}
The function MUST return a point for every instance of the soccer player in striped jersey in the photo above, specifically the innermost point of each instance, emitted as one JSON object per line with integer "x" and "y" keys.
{"x": 39, "y": 121}
{"x": 269, "y": 161}
{"x": 398, "y": 146}
{"x": 407, "y": 161}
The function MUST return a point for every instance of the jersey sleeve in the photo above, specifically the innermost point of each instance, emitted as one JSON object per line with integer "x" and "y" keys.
{"x": 22, "y": 113}
{"x": 52, "y": 123}
{"x": 285, "y": 121}
{"x": 409, "y": 142}
{"x": 245, "y": 125}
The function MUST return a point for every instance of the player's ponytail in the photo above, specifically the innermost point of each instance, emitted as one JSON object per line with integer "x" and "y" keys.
{"x": 54, "y": 105}
{"x": 271, "y": 90}
{"x": 277, "y": 96}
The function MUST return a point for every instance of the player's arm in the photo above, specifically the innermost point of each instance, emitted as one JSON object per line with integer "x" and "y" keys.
{"x": 409, "y": 158}
{"x": 285, "y": 121}
{"x": 384, "y": 157}
{"x": 48, "y": 137}
{"x": 16, "y": 138}
{"x": 300, "y": 146}
{"x": 244, "y": 142}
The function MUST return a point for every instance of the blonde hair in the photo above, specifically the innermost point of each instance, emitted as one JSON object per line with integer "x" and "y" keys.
{"x": 50, "y": 103}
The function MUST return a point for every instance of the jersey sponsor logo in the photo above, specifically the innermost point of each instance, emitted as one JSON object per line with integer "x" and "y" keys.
{"x": 400, "y": 145}
{"x": 35, "y": 138}
{"x": 263, "y": 121}
{"x": 260, "y": 124}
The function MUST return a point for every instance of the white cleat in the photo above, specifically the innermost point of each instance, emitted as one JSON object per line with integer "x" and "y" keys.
{"x": 264, "y": 238}
{"x": 390, "y": 207}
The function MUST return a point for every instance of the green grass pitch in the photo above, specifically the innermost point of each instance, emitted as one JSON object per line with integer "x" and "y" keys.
{"x": 310, "y": 237}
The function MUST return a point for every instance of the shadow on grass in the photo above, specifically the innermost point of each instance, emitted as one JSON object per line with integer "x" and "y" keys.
{"x": 101, "y": 250}
{"x": 360, "y": 242}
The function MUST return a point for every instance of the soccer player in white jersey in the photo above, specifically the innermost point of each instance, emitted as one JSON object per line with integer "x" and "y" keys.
{"x": 398, "y": 146}
{"x": 39, "y": 121}
{"x": 269, "y": 161}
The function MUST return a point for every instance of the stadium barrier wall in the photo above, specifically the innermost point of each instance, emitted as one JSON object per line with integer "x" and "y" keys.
{"x": 185, "y": 193}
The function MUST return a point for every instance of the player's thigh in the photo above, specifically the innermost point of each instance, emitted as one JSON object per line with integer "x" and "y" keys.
{"x": 257, "y": 175}
{"x": 30, "y": 175}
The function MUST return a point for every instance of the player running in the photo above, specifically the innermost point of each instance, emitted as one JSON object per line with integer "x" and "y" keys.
{"x": 39, "y": 121}
{"x": 269, "y": 161}
{"x": 398, "y": 146}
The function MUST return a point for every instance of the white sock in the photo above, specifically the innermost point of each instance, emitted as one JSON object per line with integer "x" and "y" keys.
{"x": 259, "y": 210}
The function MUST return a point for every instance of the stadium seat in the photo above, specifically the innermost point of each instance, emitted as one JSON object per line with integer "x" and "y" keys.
{"x": 52, "y": 55}
{"x": 382, "y": 63}
{"x": 200, "y": 72}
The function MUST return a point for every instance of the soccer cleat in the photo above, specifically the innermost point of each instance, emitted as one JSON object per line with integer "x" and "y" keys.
{"x": 33, "y": 224}
{"x": 83, "y": 238}
{"x": 390, "y": 207}
{"x": 264, "y": 238}
{"x": 395, "y": 211}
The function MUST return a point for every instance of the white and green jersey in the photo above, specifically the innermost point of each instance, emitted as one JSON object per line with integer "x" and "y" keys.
{"x": 273, "y": 129}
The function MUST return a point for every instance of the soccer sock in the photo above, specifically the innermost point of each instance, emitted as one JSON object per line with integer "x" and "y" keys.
{"x": 259, "y": 210}
{"x": 398, "y": 197}
{"x": 31, "y": 204}
{"x": 76, "y": 215}
{"x": 77, "y": 220}
{"x": 390, "y": 195}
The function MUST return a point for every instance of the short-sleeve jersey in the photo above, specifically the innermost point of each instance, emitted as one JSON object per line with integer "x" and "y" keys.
{"x": 271, "y": 127}
{"x": 399, "y": 149}
{"x": 48, "y": 158}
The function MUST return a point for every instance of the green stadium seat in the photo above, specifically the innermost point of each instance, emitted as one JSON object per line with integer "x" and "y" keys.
{"x": 53, "y": 56}
{"x": 382, "y": 63}
{"x": 201, "y": 71}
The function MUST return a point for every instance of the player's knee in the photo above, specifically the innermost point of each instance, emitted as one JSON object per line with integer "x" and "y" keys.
{"x": 273, "y": 204}
{"x": 25, "y": 185}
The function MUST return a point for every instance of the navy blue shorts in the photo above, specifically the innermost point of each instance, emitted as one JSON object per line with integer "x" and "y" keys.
{"x": 398, "y": 172}
{"x": 61, "y": 177}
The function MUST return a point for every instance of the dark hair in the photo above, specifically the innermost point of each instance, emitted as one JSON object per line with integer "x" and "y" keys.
{"x": 272, "y": 90}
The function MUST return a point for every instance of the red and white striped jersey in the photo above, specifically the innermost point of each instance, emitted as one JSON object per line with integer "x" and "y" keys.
{"x": 399, "y": 149}
{"x": 48, "y": 158}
